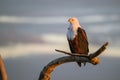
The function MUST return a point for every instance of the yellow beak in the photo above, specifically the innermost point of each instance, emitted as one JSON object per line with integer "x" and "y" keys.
{"x": 70, "y": 20}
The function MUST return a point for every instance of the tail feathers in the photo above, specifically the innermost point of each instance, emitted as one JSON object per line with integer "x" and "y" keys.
{"x": 80, "y": 64}
{"x": 84, "y": 63}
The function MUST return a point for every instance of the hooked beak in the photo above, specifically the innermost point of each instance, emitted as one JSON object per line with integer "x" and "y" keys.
{"x": 69, "y": 20}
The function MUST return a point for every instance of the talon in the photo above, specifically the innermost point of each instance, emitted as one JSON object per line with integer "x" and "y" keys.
{"x": 79, "y": 64}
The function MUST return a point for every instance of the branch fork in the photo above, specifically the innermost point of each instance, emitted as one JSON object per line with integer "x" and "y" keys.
{"x": 91, "y": 58}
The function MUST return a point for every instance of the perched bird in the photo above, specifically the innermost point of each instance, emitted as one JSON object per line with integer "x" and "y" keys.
{"x": 77, "y": 38}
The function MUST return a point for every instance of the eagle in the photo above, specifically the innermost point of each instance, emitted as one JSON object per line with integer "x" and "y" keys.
{"x": 77, "y": 38}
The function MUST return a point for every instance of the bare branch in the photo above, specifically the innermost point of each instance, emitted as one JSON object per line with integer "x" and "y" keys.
{"x": 99, "y": 51}
{"x": 92, "y": 58}
{"x": 46, "y": 72}
{"x": 71, "y": 54}
{"x": 3, "y": 74}
{"x": 95, "y": 54}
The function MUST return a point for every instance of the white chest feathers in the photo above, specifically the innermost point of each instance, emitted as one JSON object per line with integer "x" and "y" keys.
{"x": 72, "y": 32}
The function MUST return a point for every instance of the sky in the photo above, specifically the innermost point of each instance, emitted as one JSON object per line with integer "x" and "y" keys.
{"x": 31, "y": 30}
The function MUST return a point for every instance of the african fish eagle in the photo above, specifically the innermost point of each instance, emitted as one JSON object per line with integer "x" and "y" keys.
{"x": 77, "y": 38}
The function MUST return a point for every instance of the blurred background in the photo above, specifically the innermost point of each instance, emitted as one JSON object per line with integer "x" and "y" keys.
{"x": 30, "y": 30}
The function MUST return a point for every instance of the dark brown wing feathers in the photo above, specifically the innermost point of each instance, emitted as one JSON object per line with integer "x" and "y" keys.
{"x": 80, "y": 43}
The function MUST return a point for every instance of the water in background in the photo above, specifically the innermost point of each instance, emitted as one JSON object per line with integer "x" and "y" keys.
{"x": 31, "y": 30}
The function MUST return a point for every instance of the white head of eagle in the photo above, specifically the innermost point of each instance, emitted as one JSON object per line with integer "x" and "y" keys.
{"x": 72, "y": 30}
{"x": 77, "y": 37}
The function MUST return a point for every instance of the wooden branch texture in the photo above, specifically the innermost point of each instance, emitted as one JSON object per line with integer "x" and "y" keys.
{"x": 3, "y": 74}
{"x": 92, "y": 58}
{"x": 46, "y": 72}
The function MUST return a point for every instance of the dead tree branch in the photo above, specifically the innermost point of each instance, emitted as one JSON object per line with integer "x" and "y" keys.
{"x": 92, "y": 58}
{"x": 95, "y": 54}
{"x": 3, "y": 74}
